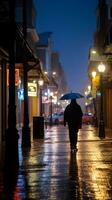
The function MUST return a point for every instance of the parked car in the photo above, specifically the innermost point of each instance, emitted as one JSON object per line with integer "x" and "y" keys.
{"x": 61, "y": 117}
{"x": 57, "y": 118}
{"x": 87, "y": 118}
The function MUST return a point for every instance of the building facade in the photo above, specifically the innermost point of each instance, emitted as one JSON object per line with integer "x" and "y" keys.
{"x": 102, "y": 52}
{"x": 53, "y": 68}
{"x": 17, "y": 22}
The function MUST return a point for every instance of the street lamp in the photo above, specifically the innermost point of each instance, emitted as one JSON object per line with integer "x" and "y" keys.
{"x": 51, "y": 97}
{"x": 40, "y": 82}
{"x": 101, "y": 69}
{"x": 93, "y": 74}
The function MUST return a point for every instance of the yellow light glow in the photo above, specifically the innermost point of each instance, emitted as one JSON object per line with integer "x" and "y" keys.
{"x": 101, "y": 67}
{"x": 40, "y": 82}
{"x": 93, "y": 74}
{"x": 89, "y": 87}
{"x": 93, "y": 51}
{"x": 86, "y": 93}
{"x": 32, "y": 89}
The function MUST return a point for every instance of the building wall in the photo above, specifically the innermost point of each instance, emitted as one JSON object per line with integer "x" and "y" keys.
{"x": 60, "y": 75}
{"x": 31, "y": 12}
{"x": 41, "y": 53}
{"x": 102, "y": 43}
{"x": 0, "y": 120}
{"x": 109, "y": 108}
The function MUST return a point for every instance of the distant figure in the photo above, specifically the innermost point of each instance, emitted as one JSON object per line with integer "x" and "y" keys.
{"x": 73, "y": 116}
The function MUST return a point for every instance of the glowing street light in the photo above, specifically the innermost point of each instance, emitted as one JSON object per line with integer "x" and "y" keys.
{"x": 51, "y": 97}
{"x": 53, "y": 73}
{"x": 101, "y": 68}
{"x": 89, "y": 88}
{"x": 93, "y": 74}
{"x": 93, "y": 51}
{"x": 40, "y": 82}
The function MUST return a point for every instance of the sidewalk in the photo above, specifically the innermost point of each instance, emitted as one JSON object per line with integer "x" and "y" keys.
{"x": 48, "y": 171}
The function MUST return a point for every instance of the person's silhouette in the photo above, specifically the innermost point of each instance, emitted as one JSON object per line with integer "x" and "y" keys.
{"x": 73, "y": 116}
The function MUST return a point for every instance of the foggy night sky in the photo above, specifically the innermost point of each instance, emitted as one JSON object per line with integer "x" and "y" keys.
{"x": 73, "y": 23}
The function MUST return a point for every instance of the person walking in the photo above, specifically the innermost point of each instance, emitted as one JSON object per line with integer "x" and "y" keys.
{"x": 73, "y": 117}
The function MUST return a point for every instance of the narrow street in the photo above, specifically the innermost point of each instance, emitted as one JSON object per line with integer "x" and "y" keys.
{"x": 49, "y": 171}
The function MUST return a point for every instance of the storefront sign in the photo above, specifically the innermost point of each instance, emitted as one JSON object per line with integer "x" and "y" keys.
{"x": 32, "y": 89}
{"x": 16, "y": 77}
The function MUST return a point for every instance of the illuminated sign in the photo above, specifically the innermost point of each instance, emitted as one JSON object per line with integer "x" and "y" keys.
{"x": 32, "y": 89}
{"x": 21, "y": 94}
{"x": 16, "y": 77}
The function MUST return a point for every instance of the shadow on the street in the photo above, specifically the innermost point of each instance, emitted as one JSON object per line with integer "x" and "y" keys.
{"x": 73, "y": 184}
{"x": 9, "y": 188}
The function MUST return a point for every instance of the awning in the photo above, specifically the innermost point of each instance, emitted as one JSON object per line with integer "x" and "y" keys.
{"x": 37, "y": 73}
{"x": 3, "y": 54}
{"x": 23, "y": 51}
{"x": 22, "y": 46}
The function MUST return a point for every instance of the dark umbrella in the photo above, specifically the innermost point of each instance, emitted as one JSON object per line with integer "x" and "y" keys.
{"x": 71, "y": 95}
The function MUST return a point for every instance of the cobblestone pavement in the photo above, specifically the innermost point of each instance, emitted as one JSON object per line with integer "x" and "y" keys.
{"x": 49, "y": 171}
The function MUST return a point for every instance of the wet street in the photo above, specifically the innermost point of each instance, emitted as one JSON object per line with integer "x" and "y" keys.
{"x": 49, "y": 171}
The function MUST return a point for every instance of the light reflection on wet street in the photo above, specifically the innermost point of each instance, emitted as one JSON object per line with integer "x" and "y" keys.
{"x": 49, "y": 171}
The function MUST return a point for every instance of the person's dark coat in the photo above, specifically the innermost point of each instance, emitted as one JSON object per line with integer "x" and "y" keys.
{"x": 73, "y": 115}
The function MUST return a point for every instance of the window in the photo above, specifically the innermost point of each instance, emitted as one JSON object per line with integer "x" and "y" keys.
{"x": 111, "y": 12}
